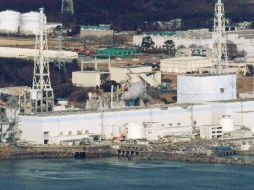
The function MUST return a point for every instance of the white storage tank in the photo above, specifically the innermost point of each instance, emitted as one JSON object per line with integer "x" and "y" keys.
{"x": 30, "y": 23}
{"x": 136, "y": 131}
{"x": 227, "y": 123}
{"x": 205, "y": 88}
{"x": 9, "y": 21}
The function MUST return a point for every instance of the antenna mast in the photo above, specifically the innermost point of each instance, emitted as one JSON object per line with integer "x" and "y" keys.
{"x": 67, "y": 7}
{"x": 220, "y": 41}
{"x": 42, "y": 92}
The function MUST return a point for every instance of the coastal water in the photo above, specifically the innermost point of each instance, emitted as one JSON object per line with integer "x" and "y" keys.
{"x": 113, "y": 174}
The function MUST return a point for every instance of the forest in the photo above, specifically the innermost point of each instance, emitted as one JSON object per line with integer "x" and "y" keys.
{"x": 129, "y": 14}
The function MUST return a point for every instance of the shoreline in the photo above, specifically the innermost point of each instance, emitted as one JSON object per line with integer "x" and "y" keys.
{"x": 194, "y": 158}
{"x": 17, "y": 153}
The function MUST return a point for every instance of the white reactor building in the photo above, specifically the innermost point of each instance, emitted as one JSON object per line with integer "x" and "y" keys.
{"x": 205, "y": 88}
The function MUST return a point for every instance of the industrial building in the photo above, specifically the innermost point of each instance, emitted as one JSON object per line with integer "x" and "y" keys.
{"x": 180, "y": 39}
{"x": 89, "y": 78}
{"x": 9, "y": 52}
{"x": 100, "y": 31}
{"x": 205, "y": 88}
{"x": 242, "y": 39}
{"x": 174, "y": 120}
{"x": 207, "y": 104}
{"x": 183, "y": 65}
{"x": 136, "y": 73}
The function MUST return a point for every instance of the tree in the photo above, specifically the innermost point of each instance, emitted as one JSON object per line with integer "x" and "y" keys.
{"x": 147, "y": 42}
{"x": 170, "y": 46}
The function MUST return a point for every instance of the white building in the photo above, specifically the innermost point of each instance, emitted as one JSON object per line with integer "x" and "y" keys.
{"x": 174, "y": 120}
{"x": 243, "y": 39}
{"x": 135, "y": 74}
{"x": 205, "y": 88}
{"x": 9, "y": 52}
{"x": 87, "y": 78}
{"x": 211, "y": 132}
{"x": 180, "y": 41}
{"x": 183, "y": 65}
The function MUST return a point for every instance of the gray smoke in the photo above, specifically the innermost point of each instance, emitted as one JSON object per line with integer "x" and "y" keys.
{"x": 134, "y": 91}
{"x": 239, "y": 59}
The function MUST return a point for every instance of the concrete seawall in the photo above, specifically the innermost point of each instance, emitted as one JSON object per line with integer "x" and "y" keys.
{"x": 54, "y": 152}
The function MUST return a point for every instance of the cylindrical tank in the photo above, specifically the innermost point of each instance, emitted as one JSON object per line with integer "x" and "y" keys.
{"x": 136, "y": 131}
{"x": 9, "y": 21}
{"x": 30, "y": 23}
{"x": 227, "y": 123}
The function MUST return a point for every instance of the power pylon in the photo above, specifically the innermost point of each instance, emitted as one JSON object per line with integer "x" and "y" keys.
{"x": 42, "y": 92}
{"x": 67, "y": 7}
{"x": 220, "y": 40}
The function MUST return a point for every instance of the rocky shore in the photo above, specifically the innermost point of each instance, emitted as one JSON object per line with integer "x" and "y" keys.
{"x": 16, "y": 153}
{"x": 54, "y": 152}
{"x": 192, "y": 158}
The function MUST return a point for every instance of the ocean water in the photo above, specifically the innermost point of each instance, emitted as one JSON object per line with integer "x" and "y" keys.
{"x": 112, "y": 174}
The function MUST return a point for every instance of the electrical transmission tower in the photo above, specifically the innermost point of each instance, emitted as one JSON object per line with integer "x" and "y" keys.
{"x": 67, "y": 7}
{"x": 60, "y": 62}
{"x": 220, "y": 41}
{"x": 42, "y": 92}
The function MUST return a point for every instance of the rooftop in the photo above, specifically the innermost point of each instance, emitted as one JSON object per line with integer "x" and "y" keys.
{"x": 93, "y": 27}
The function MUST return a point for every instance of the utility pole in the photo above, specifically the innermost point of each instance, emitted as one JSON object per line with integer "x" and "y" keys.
{"x": 220, "y": 41}
{"x": 67, "y": 7}
{"x": 42, "y": 92}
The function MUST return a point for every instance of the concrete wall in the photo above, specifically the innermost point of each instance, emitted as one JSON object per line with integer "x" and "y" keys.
{"x": 86, "y": 78}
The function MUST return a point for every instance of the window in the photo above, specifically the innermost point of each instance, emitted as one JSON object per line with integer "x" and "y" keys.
{"x": 170, "y": 124}
{"x": 46, "y": 137}
{"x": 178, "y": 124}
{"x": 79, "y": 132}
{"x": 70, "y": 133}
{"x": 61, "y": 134}
{"x": 222, "y": 90}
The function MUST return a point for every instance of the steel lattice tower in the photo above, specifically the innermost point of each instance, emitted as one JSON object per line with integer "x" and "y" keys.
{"x": 42, "y": 92}
{"x": 220, "y": 41}
{"x": 67, "y": 7}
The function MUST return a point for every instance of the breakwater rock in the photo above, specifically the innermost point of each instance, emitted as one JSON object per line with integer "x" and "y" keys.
{"x": 192, "y": 158}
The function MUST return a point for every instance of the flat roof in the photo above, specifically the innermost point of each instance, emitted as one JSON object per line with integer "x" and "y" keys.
{"x": 188, "y": 58}
{"x": 158, "y": 106}
{"x": 205, "y": 75}
{"x": 130, "y": 66}
{"x": 91, "y": 72}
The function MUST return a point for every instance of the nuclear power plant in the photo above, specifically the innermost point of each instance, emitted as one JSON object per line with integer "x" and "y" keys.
{"x": 125, "y": 96}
